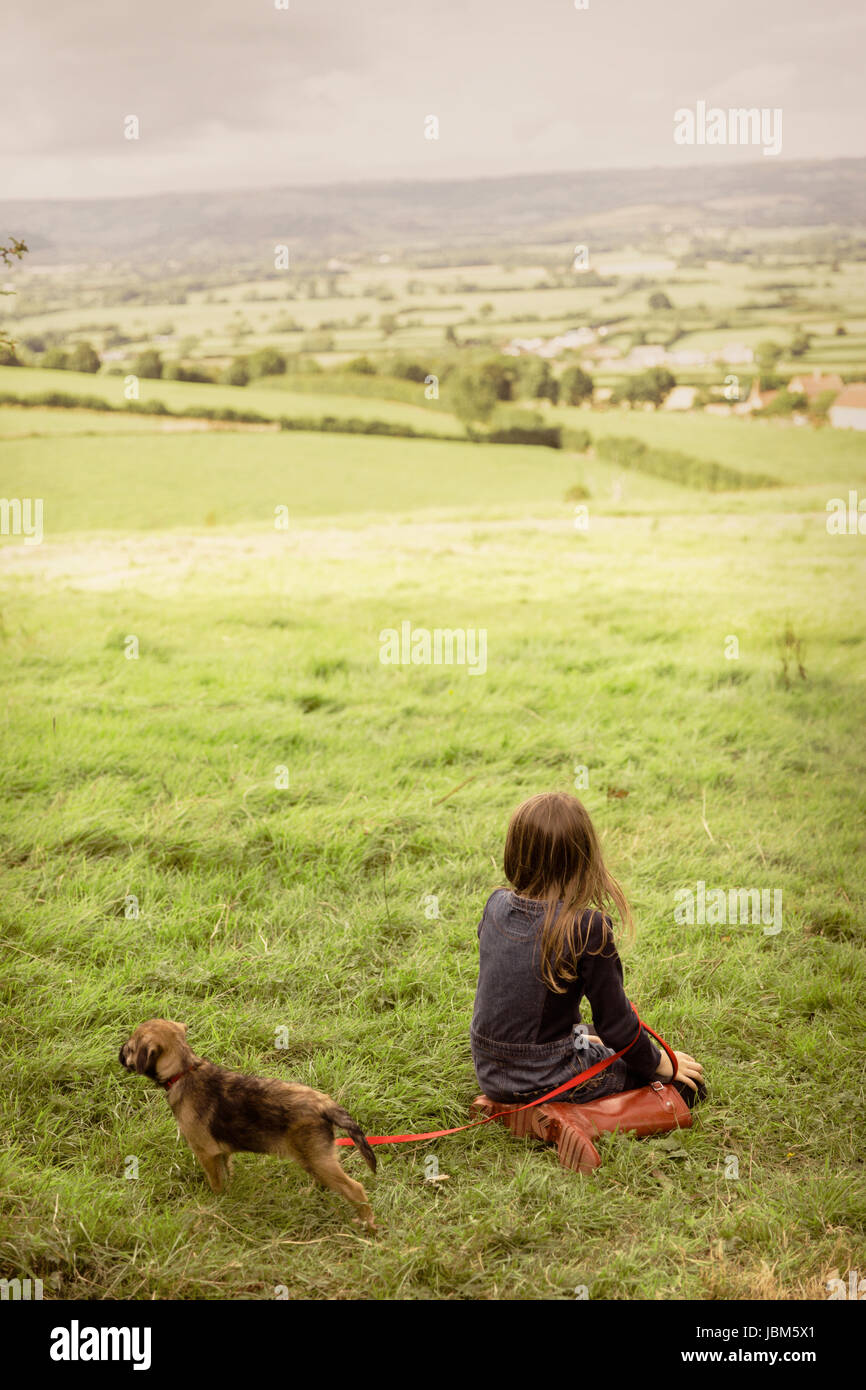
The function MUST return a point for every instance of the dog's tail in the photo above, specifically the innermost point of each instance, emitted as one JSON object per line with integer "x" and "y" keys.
{"x": 340, "y": 1117}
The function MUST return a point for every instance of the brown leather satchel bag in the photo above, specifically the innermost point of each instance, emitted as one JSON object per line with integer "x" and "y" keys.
{"x": 652, "y": 1109}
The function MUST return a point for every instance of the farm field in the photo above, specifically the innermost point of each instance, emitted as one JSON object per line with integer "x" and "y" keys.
{"x": 121, "y": 471}
{"x": 343, "y": 907}
{"x": 334, "y": 316}
{"x": 183, "y": 395}
{"x": 36, "y": 422}
{"x": 230, "y": 477}
{"x": 797, "y": 456}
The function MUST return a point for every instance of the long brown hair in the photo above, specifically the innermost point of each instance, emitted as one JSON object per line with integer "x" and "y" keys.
{"x": 552, "y": 855}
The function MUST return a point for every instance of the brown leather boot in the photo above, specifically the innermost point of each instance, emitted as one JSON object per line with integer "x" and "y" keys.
{"x": 571, "y": 1136}
{"x": 514, "y": 1117}
{"x": 652, "y": 1109}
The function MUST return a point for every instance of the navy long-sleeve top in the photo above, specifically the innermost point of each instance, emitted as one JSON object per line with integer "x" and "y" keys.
{"x": 523, "y": 1032}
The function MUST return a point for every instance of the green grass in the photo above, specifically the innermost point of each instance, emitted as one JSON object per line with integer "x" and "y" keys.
{"x": 800, "y": 456}
{"x": 231, "y": 477}
{"x": 521, "y": 300}
{"x": 305, "y": 907}
{"x": 128, "y": 482}
{"x": 184, "y": 395}
{"x": 35, "y": 422}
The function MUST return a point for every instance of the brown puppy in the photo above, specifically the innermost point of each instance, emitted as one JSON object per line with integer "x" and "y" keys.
{"x": 221, "y": 1112}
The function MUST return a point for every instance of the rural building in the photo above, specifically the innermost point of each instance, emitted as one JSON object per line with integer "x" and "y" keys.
{"x": 517, "y": 346}
{"x": 756, "y": 400}
{"x": 575, "y": 338}
{"x": 688, "y": 357}
{"x": 812, "y": 386}
{"x": 647, "y": 355}
{"x": 736, "y": 354}
{"x": 848, "y": 411}
{"x": 571, "y": 340}
{"x": 681, "y": 398}
{"x": 604, "y": 353}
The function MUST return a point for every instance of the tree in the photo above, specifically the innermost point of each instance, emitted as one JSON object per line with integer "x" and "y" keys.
{"x": 361, "y": 366}
{"x": 408, "y": 370}
{"x": 181, "y": 371}
{"x": 800, "y": 343}
{"x": 659, "y": 300}
{"x": 500, "y": 377}
{"x": 236, "y": 373}
{"x": 388, "y": 324}
{"x": 266, "y": 362}
{"x": 55, "y": 359}
{"x": 785, "y": 403}
{"x": 575, "y": 386}
{"x": 473, "y": 397}
{"x": 148, "y": 365}
{"x": 653, "y": 386}
{"x": 820, "y": 406}
{"x": 767, "y": 354}
{"x": 14, "y": 250}
{"x": 770, "y": 381}
{"x": 535, "y": 380}
{"x": 84, "y": 358}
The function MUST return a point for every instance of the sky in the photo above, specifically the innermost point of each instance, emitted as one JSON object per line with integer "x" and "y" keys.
{"x": 234, "y": 94}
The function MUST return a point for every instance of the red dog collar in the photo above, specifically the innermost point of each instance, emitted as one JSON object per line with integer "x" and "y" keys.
{"x": 171, "y": 1080}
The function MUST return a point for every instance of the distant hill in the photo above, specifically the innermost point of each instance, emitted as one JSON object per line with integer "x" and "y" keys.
{"x": 212, "y": 229}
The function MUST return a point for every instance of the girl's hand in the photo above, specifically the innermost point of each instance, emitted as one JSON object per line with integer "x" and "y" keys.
{"x": 688, "y": 1070}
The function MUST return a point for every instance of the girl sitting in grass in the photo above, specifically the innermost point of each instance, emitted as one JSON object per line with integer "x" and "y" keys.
{"x": 544, "y": 945}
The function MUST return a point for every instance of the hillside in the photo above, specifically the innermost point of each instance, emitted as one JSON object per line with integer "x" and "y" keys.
{"x": 218, "y": 227}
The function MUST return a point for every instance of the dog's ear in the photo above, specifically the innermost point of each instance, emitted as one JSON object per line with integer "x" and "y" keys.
{"x": 182, "y": 1027}
{"x": 146, "y": 1056}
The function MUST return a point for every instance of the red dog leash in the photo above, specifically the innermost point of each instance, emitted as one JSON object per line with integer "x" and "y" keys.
{"x": 566, "y": 1086}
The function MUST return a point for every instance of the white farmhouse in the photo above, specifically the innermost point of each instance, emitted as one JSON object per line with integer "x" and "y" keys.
{"x": 848, "y": 411}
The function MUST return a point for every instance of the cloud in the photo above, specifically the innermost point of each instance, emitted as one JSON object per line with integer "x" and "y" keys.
{"x": 764, "y": 84}
{"x": 232, "y": 94}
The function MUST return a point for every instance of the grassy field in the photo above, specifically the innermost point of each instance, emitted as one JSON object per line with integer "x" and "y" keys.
{"x": 712, "y": 304}
{"x": 799, "y": 457}
{"x": 344, "y": 907}
{"x": 120, "y": 471}
{"x": 265, "y": 400}
{"x": 36, "y": 422}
